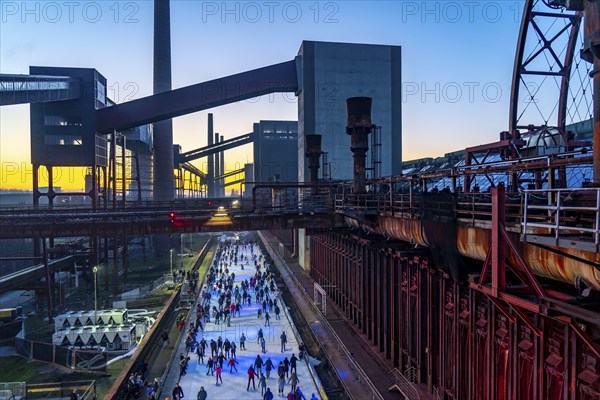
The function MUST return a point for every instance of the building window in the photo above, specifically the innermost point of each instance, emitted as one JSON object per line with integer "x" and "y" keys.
{"x": 58, "y": 120}
{"x": 63, "y": 140}
{"x": 101, "y": 93}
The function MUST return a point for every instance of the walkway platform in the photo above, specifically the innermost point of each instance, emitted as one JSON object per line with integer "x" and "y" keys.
{"x": 362, "y": 353}
{"x": 234, "y": 384}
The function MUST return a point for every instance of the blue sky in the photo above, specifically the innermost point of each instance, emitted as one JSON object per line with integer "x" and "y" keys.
{"x": 457, "y": 59}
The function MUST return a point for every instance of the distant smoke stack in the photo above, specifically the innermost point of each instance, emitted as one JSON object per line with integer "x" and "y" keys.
{"x": 211, "y": 159}
{"x": 313, "y": 153}
{"x": 358, "y": 127}
{"x": 222, "y": 170}
{"x": 359, "y": 112}
{"x": 217, "y": 169}
{"x": 164, "y": 181}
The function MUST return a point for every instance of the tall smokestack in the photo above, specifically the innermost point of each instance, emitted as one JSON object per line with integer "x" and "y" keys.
{"x": 211, "y": 159}
{"x": 313, "y": 153}
{"x": 164, "y": 181}
{"x": 217, "y": 170}
{"x": 222, "y": 169}
{"x": 358, "y": 127}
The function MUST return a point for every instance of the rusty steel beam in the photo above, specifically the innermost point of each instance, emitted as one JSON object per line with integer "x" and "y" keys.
{"x": 498, "y": 251}
{"x": 532, "y": 279}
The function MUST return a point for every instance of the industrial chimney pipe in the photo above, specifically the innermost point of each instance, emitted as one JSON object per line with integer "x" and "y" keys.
{"x": 313, "y": 153}
{"x": 211, "y": 159}
{"x": 358, "y": 127}
{"x": 592, "y": 47}
{"x": 164, "y": 181}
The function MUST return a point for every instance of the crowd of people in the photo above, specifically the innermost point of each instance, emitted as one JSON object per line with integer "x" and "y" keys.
{"x": 222, "y": 301}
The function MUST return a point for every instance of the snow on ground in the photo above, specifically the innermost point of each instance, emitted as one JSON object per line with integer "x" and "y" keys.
{"x": 234, "y": 384}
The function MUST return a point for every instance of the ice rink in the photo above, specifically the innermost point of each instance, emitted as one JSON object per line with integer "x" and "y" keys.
{"x": 234, "y": 384}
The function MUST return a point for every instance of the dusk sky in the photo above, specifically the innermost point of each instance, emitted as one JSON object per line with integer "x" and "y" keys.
{"x": 457, "y": 61}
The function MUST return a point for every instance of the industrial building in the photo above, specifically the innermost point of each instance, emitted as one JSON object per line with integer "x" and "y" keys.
{"x": 275, "y": 151}
{"x": 473, "y": 276}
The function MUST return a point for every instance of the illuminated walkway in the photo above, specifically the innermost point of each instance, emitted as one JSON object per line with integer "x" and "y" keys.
{"x": 234, "y": 385}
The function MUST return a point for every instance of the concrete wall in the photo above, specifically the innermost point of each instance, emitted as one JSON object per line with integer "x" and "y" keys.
{"x": 331, "y": 72}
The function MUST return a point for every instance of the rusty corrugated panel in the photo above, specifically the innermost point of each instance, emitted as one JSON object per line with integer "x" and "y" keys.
{"x": 403, "y": 229}
{"x": 473, "y": 242}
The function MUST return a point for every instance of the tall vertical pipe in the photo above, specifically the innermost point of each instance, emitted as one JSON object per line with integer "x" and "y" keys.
{"x": 313, "y": 153}
{"x": 217, "y": 170}
{"x": 211, "y": 159}
{"x": 222, "y": 170}
{"x": 358, "y": 127}
{"x": 164, "y": 182}
{"x": 592, "y": 48}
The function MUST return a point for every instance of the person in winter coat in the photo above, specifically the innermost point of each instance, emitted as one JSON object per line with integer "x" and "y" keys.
{"x": 293, "y": 361}
{"x": 177, "y": 392}
{"x": 283, "y": 338}
{"x": 227, "y": 347}
{"x": 269, "y": 367}
{"x": 258, "y": 363}
{"x": 213, "y": 348}
{"x": 263, "y": 345}
{"x": 209, "y": 366}
{"x": 218, "y": 371}
{"x": 268, "y": 395}
{"x": 251, "y": 378}
{"x": 231, "y": 364}
{"x": 202, "y": 395}
{"x": 262, "y": 382}
{"x": 286, "y": 366}
{"x": 293, "y": 381}
{"x": 281, "y": 383}
{"x": 298, "y": 395}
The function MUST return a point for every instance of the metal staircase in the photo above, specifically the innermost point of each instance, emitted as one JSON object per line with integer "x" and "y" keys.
{"x": 403, "y": 383}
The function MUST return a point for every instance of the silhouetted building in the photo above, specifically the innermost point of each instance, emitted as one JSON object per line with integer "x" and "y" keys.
{"x": 276, "y": 151}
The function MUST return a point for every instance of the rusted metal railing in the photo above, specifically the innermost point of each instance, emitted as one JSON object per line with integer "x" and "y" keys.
{"x": 552, "y": 215}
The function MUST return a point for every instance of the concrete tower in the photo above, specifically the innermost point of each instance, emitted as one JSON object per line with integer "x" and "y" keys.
{"x": 164, "y": 181}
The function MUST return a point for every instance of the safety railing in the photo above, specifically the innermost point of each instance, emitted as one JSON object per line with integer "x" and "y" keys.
{"x": 85, "y": 390}
{"x": 561, "y": 214}
{"x": 337, "y": 342}
{"x": 400, "y": 204}
{"x": 471, "y": 208}
{"x": 477, "y": 207}
{"x": 403, "y": 383}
